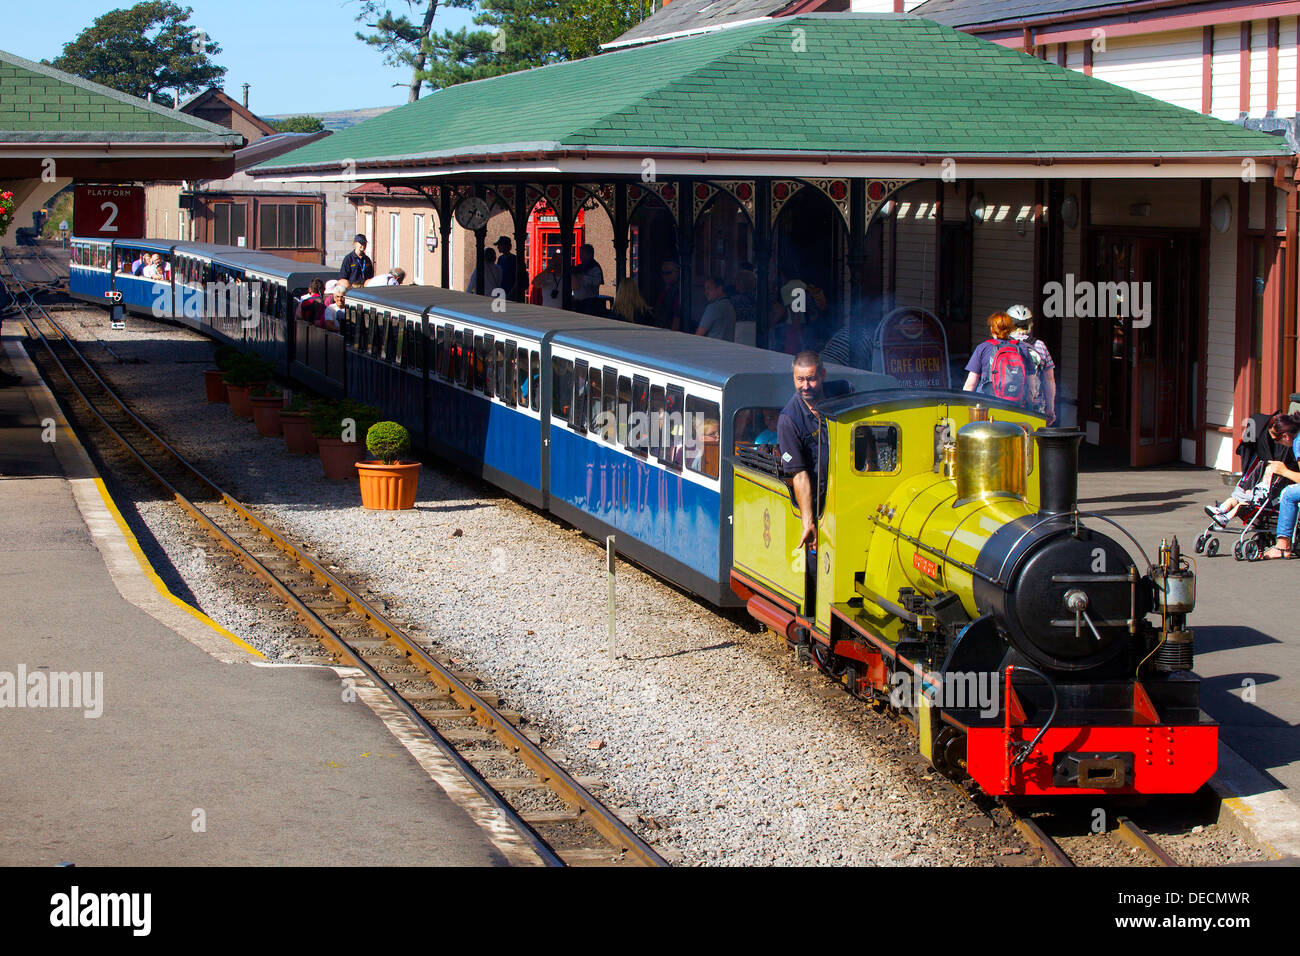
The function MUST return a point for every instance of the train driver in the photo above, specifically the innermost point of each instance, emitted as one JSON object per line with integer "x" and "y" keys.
{"x": 801, "y": 433}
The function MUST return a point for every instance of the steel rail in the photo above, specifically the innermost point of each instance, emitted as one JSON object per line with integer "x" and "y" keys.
{"x": 554, "y": 777}
{"x": 1129, "y": 832}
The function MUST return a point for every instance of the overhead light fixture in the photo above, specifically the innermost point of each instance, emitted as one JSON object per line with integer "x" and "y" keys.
{"x": 1140, "y": 209}
{"x": 977, "y": 207}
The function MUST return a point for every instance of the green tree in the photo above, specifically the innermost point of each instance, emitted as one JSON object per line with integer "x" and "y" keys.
{"x": 297, "y": 124}
{"x": 401, "y": 39}
{"x": 150, "y": 48}
{"x": 520, "y": 34}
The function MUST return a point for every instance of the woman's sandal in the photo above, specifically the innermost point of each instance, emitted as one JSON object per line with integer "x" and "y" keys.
{"x": 1275, "y": 553}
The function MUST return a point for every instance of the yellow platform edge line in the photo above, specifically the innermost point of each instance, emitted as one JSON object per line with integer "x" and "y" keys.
{"x": 158, "y": 582}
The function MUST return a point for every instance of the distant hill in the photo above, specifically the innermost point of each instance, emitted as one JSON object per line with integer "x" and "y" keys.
{"x": 338, "y": 119}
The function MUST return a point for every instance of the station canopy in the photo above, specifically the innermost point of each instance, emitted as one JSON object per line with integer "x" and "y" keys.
{"x": 808, "y": 96}
{"x": 93, "y": 132}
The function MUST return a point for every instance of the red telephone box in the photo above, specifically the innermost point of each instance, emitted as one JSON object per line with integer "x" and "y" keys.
{"x": 544, "y": 237}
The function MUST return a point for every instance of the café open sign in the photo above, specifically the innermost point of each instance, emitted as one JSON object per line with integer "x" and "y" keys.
{"x": 912, "y": 347}
{"x": 109, "y": 212}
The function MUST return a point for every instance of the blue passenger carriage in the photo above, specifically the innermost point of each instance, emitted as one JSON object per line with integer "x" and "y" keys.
{"x": 90, "y": 269}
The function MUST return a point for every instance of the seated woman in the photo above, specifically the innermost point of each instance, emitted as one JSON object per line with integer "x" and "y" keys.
{"x": 1281, "y": 449}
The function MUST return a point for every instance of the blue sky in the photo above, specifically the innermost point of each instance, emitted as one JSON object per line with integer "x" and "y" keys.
{"x": 300, "y": 56}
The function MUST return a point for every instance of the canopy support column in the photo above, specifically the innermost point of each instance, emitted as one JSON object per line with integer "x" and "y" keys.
{"x": 444, "y": 232}
{"x": 762, "y": 257}
{"x": 566, "y": 245}
{"x": 686, "y": 249}
{"x": 620, "y": 234}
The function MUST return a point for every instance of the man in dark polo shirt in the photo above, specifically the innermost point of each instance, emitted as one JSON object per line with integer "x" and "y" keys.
{"x": 805, "y": 451}
{"x": 357, "y": 266}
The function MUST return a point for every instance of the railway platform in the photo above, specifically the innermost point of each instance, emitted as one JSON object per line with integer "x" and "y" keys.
{"x": 1247, "y": 646}
{"x": 170, "y": 744}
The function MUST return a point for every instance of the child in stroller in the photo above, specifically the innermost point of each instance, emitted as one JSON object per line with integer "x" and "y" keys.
{"x": 1268, "y": 450}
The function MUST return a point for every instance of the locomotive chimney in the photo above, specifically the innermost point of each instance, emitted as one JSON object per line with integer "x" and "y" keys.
{"x": 1058, "y": 469}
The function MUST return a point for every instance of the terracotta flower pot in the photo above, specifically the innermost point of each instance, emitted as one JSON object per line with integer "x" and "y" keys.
{"x": 266, "y": 414}
{"x": 297, "y": 433}
{"x": 215, "y": 386}
{"x": 240, "y": 406}
{"x": 338, "y": 458}
{"x": 388, "y": 487}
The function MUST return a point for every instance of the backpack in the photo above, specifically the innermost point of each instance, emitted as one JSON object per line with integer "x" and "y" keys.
{"x": 1009, "y": 371}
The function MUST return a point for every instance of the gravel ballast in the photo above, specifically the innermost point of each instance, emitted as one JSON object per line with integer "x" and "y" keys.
{"x": 729, "y": 750}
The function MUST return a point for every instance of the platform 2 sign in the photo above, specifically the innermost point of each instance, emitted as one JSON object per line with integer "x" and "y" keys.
{"x": 108, "y": 212}
{"x": 912, "y": 346}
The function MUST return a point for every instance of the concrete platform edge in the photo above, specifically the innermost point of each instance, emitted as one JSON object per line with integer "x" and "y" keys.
{"x": 132, "y": 575}
{"x": 1258, "y": 806}
{"x": 139, "y": 584}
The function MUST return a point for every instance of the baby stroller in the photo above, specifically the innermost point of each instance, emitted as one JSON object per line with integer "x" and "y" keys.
{"x": 1258, "y": 511}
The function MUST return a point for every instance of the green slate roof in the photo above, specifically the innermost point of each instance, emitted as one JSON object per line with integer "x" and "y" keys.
{"x": 849, "y": 83}
{"x": 43, "y": 105}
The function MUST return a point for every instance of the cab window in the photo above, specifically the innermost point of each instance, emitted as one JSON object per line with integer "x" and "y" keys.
{"x": 875, "y": 448}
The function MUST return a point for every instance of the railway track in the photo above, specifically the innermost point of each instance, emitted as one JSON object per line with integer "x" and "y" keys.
{"x": 553, "y": 811}
{"x": 1125, "y": 833}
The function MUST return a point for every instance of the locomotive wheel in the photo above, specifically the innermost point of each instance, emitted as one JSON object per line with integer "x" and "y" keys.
{"x": 1200, "y": 542}
{"x": 828, "y": 663}
{"x": 1213, "y": 547}
{"x": 1238, "y": 551}
{"x": 1253, "y": 550}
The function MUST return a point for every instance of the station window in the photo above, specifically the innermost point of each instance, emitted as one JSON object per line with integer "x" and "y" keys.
{"x": 875, "y": 448}
{"x": 535, "y": 384}
{"x": 703, "y": 436}
{"x": 562, "y": 385}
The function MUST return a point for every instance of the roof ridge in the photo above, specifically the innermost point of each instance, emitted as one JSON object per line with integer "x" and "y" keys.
{"x": 90, "y": 86}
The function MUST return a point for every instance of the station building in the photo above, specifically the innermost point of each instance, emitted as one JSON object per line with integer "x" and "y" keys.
{"x": 893, "y": 162}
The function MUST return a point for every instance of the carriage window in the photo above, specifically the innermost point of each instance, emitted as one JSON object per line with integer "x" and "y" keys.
{"x": 624, "y": 410}
{"x": 509, "y": 372}
{"x": 521, "y": 393}
{"x": 535, "y": 384}
{"x": 480, "y": 364}
{"x": 489, "y": 366}
{"x": 402, "y": 339}
{"x": 578, "y": 414}
{"x": 875, "y": 448}
{"x": 593, "y": 398}
{"x": 501, "y": 371}
{"x": 638, "y": 431}
{"x": 610, "y": 398}
{"x": 674, "y": 439}
{"x": 656, "y": 421}
{"x": 439, "y": 351}
{"x": 756, "y": 425}
{"x": 378, "y": 333}
{"x": 703, "y": 436}
{"x": 562, "y": 388}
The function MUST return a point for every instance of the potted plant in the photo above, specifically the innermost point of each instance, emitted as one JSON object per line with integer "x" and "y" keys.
{"x": 267, "y": 400}
{"x": 295, "y": 422}
{"x": 214, "y": 385}
{"x": 339, "y": 428}
{"x": 388, "y": 483}
{"x": 245, "y": 372}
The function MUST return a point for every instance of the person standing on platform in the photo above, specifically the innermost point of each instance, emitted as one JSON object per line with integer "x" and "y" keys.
{"x": 491, "y": 274}
{"x": 719, "y": 318}
{"x": 508, "y": 265}
{"x": 357, "y": 267}
{"x": 1042, "y": 388}
{"x": 587, "y": 280}
{"x": 668, "y": 307}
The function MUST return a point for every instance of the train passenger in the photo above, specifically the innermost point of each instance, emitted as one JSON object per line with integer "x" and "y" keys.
{"x": 1042, "y": 386}
{"x": 357, "y": 267}
{"x": 588, "y": 277}
{"x": 668, "y": 306}
{"x": 311, "y": 307}
{"x": 630, "y": 305}
{"x": 741, "y": 294}
{"x": 719, "y": 318}
{"x": 153, "y": 267}
{"x": 771, "y": 420}
{"x": 508, "y": 264}
{"x": 335, "y": 304}
{"x": 707, "y": 443}
{"x": 491, "y": 274}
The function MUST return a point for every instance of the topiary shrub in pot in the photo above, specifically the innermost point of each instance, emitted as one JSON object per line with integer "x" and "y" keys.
{"x": 388, "y": 483}
{"x": 246, "y": 372}
{"x": 267, "y": 400}
{"x": 295, "y": 422}
{"x": 214, "y": 385}
{"x": 339, "y": 428}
